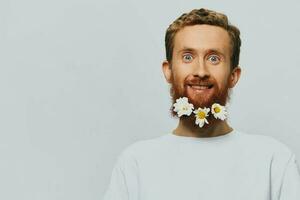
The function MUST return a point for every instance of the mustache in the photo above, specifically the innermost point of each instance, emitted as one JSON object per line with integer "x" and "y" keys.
{"x": 200, "y": 81}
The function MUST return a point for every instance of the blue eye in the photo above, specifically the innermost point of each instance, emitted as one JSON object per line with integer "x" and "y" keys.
{"x": 187, "y": 57}
{"x": 214, "y": 59}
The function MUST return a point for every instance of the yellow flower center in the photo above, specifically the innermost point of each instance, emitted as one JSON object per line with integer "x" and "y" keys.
{"x": 217, "y": 109}
{"x": 201, "y": 115}
{"x": 184, "y": 108}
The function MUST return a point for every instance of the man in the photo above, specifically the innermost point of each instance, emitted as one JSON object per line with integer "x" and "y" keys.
{"x": 204, "y": 158}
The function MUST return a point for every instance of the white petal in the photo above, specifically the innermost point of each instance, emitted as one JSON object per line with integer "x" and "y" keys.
{"x": 201, "y": 123}
{"x": 205, "y": 120}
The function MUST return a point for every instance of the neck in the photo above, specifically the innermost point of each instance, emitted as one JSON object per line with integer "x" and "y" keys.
{"x": 187, "y": 128}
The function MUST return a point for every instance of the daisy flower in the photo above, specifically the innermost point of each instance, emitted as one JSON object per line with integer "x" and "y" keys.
{"x": 219, "y": 111}
{"x": 183, "y": 107}
{"x": 201, "y": 114}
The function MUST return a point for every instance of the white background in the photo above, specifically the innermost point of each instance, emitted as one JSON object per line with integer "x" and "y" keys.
{"x": 81, "y": 79}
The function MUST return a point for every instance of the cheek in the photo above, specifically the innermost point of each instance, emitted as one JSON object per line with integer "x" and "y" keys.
{"x": 178, "y": 80}
{"x": 180, "y": 74}
{"x": 222, "y": 78}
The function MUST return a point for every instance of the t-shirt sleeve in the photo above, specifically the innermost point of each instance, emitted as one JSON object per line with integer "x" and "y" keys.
{"x": 124, "y": 183}
{"x": 290, "y": 186}
{"x": 117, "y": 188}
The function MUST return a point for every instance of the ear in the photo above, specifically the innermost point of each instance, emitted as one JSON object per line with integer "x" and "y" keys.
{"x": 166, "y": 67}
{"x": 235, "y": 76}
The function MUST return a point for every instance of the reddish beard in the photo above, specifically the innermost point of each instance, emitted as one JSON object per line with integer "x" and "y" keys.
{"x": 218, "y": 95}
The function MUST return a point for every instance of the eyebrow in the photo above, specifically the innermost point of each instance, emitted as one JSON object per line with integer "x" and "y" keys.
{"x": 188, "y": 49}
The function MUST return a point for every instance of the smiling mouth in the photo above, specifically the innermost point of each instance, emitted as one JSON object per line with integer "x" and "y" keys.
{"x": 201, "y": 86}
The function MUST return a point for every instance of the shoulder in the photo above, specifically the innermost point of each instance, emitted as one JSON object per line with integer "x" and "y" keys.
{"x": 139, "y": 149}
{"x": 142, "y": 146}
{"x": 267, "y": 144}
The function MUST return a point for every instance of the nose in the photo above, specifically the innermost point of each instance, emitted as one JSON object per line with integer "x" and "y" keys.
{"x": 200, "y": 70}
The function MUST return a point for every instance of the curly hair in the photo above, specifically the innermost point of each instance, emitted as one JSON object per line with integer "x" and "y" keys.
{"x": 209, "y": 17}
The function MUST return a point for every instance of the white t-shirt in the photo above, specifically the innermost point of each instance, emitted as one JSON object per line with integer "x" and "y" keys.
{"x": 235, "y": 166}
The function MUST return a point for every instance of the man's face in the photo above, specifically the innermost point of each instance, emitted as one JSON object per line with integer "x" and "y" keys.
{"x": 200, "y": 68}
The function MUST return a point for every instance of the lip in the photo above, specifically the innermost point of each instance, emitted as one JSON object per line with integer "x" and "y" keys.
{"x": 205, "y": 88}
{"x": 200, "y": 86}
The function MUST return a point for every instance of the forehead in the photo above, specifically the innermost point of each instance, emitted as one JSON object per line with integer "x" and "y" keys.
{"x": 202, "y": 38}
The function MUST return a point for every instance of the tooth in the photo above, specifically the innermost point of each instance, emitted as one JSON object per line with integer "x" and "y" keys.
{"x": 200, "y": 87}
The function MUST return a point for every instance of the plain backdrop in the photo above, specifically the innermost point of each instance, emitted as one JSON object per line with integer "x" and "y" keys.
{"x": 81, "y": 79}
